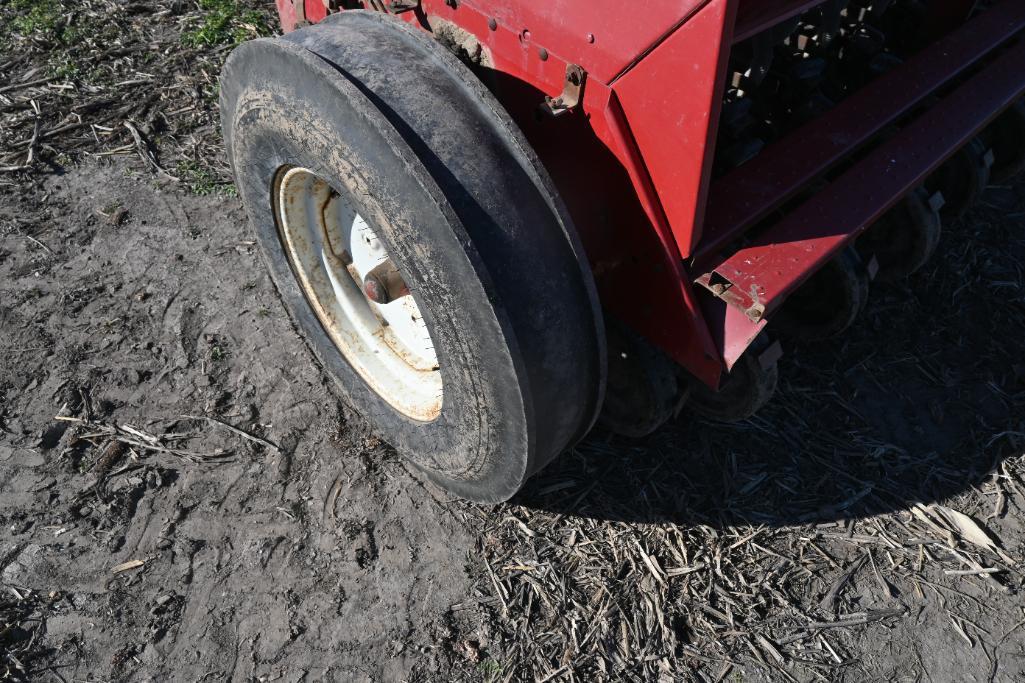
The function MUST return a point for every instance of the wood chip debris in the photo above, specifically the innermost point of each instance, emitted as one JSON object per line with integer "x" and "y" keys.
{"x": 127, "y": 566}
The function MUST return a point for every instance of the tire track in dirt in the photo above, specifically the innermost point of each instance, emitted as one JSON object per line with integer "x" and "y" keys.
{"x": 165, "y": 314}
{"x": 701, "y": 545}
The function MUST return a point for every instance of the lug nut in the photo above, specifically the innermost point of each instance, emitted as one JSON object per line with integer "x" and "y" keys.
{"x": 375, "y": 290}
{"x": 384, "y": 284}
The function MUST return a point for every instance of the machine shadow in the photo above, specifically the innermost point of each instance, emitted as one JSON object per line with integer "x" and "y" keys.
{"x": 696, "y": 472}
{"x": 906, "y": 407}
{"x": 858, "y": 427}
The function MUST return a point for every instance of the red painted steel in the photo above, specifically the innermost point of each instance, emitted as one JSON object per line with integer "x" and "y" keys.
{"x": 751, "y": 192}
{"x": 672, "y": 100}
{"x": 668, "y": 79}
{"x": 602, "y": 172}
{"x": 315, "y": 10}
{"x": 762, "y": 274}
{"x": 633, "y": 161}
{"x": 286, "y": 15}
{"x": 699, "y": 353}
{"x": 732, "y": 331}
{"x": 606, "y": 37}
{"x": 622, "y": 31}
{"x": 584, "y": 150}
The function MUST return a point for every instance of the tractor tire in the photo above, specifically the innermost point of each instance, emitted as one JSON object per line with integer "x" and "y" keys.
{"x": 744, "y": 391}
{"x": 643, "y": 390}
{"x": 961, "y": 180}
{"x": 828, "y": 302}
{"x": 419, "y": 248}
{"x": 1006, "y": 138}
{"x": 904, "y": 239}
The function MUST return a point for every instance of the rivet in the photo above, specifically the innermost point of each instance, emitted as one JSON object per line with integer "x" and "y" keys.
{"x": 543, "y": 54}
{"x": 492, "y": 24}
{"x": 590, "y": 37}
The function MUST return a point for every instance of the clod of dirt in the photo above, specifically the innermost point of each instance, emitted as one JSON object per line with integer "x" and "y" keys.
{"x": 358, "y": 542}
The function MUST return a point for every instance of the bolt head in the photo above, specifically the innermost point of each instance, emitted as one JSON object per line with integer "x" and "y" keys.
{"x": 375, "y": 290}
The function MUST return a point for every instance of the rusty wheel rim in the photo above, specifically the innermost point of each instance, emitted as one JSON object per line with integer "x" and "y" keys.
{"x": 358, "y": 293}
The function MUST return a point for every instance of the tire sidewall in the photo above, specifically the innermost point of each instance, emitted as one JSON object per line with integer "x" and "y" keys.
{"x": 352, "y": 151}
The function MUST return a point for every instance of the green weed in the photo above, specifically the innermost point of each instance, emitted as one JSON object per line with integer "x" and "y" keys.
{"x": 64, "y": 31}
{"x": 225, "y": 23}
{"x": 490, "y": 669}
{"x": 201, "y": 181}
{"x": 39, "y": 16}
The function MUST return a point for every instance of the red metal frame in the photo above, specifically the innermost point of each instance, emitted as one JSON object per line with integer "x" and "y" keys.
{"x": 633, "y": 161}
{"x": 751, "y": 192}
{"x": 761, "y": 274}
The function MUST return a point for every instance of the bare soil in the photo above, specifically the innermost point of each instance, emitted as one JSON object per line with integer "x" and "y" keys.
{"x": 869, "y": 524}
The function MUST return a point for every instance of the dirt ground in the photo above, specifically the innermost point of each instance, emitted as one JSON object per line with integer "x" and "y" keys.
{"x": 183, "y": 497}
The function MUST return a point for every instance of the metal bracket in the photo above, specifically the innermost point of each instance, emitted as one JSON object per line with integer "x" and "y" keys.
{"x": 300, "y": 13}
{"x": 722, "y": 287}
{"x": 392, "y": 6}
{"x": 572, "y": 93}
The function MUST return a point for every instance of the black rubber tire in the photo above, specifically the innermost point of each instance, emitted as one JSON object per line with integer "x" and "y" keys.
{"x": 960, "y": 180}
{"x": 749, "y": 386}
{"x": 405, "y": 133}
{"x": 643, "y": 390}
{"x": 904, "y": 239}
{"x": 1006, "y": 138}
{"x": 828, "y": 302}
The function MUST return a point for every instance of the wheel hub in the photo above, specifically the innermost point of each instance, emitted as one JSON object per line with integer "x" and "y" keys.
{"x": 358, "y": 293}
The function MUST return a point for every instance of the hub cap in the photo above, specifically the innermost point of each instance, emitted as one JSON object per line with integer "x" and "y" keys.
{"x": 358, "y": 293}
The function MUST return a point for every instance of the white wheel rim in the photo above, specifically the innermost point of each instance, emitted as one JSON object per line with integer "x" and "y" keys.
{"x": 332, "y": 250}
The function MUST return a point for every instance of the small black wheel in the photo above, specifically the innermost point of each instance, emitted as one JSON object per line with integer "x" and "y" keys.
{"x": 828, "y": 302}
{"x": 903, "y": 240}
{"x": 419, "y": 248}
{"x": 1006, "y": 138}
{"x": 742, "y": 392}
{"x": 961, "y": 180}
{"x": 643, "y": 391}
